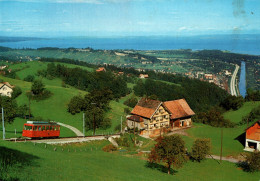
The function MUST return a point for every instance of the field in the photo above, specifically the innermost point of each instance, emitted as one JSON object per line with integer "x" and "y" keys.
{"x": 55, "y": 107}
{"x": 233, "y": 140}
{"x": 88, "y": 162}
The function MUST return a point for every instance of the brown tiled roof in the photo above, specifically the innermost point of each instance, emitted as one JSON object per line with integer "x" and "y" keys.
{"x": 100, "y": 69}
{"x": 146, "y": 107}
{"x": 253, "y": 132}
{"x": 6, "y": 83}
{"x": 179, "y": 108}
{"x": 136, "y": 118}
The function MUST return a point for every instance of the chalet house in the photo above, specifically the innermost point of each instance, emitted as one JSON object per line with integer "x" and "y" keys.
{"x": 101, "y": 69}
{"x": 6, "y": 89}
{"x": 150, "y": 116}
{"x": 253, "y": 137}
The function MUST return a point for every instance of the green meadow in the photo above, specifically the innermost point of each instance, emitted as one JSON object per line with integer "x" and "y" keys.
{"x": 87, "y": 161}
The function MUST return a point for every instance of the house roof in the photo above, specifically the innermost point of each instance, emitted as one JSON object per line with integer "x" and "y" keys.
{"x": 146, "y": 107}
{"x": 179, "y": 108}
{"x": 136, "y": 118}
{"x": 253, "y": 132}
{"x": 7, "y": 84}
{"x": 100, "y": 69}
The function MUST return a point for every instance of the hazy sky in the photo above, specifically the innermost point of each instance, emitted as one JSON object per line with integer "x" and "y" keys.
{"x": 128, "y": 17}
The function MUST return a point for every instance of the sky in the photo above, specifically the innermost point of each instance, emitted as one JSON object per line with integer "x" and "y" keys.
{"x": 51, "y": 18}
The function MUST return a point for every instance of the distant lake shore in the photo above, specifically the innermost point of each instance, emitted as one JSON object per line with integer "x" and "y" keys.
{"x": 244, "y": 44}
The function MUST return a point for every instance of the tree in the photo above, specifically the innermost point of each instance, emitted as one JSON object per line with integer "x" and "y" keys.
{"x": 16, "y": 92}
{"x": 200, "y": 149}
{"x": 131, "y": 102}
{"x": 10, "y": 107}
{"x": 76, "y": 104}
{"x": 253, "y": 161}
{"x": 37, "y": 87}
{"x": 97, "y": 102}
{"x": 169, "y": 149}
{"x": 29, "y": 78}
{"x": 232, "y": 102}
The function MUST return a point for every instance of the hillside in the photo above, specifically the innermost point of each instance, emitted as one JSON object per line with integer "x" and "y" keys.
{"x": 62, "y": 162}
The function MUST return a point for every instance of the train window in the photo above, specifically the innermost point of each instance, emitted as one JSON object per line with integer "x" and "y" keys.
{"x": 47, "y": 128}
{"x": 39, "y": 128}
{"x": 50, "y": 127}
{"x": 58, "y": 127}
{"x": 43, "y": 128}
{"x": 28, "y": 128}
{"x": 34, "y": 128}
{"x": 55, "y": 128}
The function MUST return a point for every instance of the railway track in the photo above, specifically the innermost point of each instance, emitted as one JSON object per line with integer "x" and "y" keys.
{"x": 65, "y": 140}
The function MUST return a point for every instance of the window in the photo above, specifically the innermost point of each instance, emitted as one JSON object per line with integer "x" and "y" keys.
{"x": 39, "y": 128}
{"x": 28, "y": 128}
{"x": 47, "y": 127}
{"x": 43, "y": 128}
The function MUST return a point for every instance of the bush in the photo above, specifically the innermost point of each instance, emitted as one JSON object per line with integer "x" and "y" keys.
{"x": 253, "y": 161}
{"x": 131, "y": 102}
{"x": 214, "y": 118}
{"x": 76, "y": 104}
{"x": 200, "y": 149}
{"x": 123, "y": 140}
{"x": 106, "y": 123}
{"x": 16, "y": 92}
{"x": 29, "y": 78}
{"x": 232, "y": 102}
{"x": 109, "y": 148}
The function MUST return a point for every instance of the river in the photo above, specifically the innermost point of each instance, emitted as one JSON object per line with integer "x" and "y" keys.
{"x": 242, "y": 80}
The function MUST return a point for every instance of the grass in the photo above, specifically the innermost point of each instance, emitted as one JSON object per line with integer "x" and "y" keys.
{"x": 87, "y": 161}
{"x": 236, "y": 116}
{"x": 55, "y": 107}
{"x": 233, "y": 138}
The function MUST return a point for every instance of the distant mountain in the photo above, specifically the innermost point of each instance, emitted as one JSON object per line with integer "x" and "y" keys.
{"x": 16, "y": 39}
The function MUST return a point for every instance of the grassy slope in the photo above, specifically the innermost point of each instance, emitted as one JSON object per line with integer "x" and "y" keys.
{"x": 55, "y": 108}
{"x": 84, "y": 164}
{"x": 231, "y": 145}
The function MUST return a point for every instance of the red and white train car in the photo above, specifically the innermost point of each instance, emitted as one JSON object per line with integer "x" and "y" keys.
{"x": 40, "y": 129}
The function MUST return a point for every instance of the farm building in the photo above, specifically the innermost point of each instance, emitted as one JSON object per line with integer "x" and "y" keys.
{"x": 253, "y": 137}
{"x": 6, "y": 89}
{"x": 150, "y": 116}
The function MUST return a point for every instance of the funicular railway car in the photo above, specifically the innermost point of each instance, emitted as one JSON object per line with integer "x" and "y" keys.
{"x": 40, "y": 129}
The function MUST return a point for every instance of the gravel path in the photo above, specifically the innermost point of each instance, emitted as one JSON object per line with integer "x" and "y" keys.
{"x": 75, "y": 130}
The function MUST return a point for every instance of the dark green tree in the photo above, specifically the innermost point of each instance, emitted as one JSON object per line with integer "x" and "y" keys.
{"x": 16, "y": 92}
{"x": 169, "y": 149}
{"x": 76, "y": 104}
{"x": 10, "y": 108}
{"x": 200, "y": 149}
{"x": 29, "y": 78}
{"x": 37, "y": 87}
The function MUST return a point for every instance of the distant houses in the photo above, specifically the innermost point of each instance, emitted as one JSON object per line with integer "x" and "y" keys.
{"x": 143, "y": 76}
{"x": 152, "y": 117}
{"x": 101, "y": 69}
{"x": 6, "y": 89}
{"x": 253, "y": 137}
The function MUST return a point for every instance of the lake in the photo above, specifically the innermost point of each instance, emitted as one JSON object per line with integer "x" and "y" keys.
{"x": 245, "y": 44}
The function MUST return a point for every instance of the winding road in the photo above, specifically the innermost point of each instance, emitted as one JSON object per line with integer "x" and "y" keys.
{"x": 233, "y": 82}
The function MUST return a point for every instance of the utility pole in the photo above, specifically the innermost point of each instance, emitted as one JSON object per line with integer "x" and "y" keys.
{"x": 221, "y": 145}
{"x": 121, "y": 124}
{"x": 83, "y": 124}
{"x": 3, "y": 121}
{"x": 134, "y": 131}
